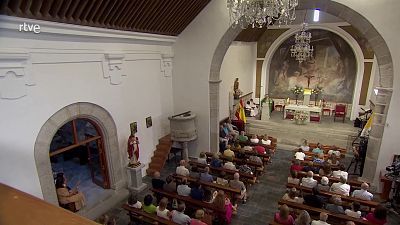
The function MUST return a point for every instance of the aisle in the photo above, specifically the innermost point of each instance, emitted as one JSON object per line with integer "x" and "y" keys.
{"x": 262, "y": 203}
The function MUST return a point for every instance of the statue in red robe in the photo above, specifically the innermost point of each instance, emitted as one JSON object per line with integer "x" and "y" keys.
{"x": 133, "y": 151}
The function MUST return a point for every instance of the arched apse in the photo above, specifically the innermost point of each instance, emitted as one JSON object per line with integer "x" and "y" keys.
{"x": 385, "y": 67}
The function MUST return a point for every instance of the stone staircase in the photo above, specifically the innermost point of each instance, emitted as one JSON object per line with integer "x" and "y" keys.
{"x": 160, "y": 155}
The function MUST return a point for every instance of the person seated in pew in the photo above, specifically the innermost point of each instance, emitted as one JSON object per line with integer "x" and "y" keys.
{"x": 197, "y": 192}
{"x": 303, "y": 218}
{"x": 314, "y": 199}
{"x": 215, "y": 161}
{"x": 223, "y": 203}
{"x": 241, "y": 154}
{"x": 334, "y": 151}
{"x": 318, "y": 149}
{"x": 208, "y": 196}
{"x": 323, "y": 217}
{"x": 254, "y": 139}
{"x": 299, "y": 155}
{"x": 237, "y": 184}
{"x": 202, "y": 158}
{"x": 232, "y": 129}
{"x": 183, "y": 189}
{"x": 242, "y": 137}
{"x": 162, "y": 210}
{"x": 181, "y": 169}
{"x": 324, "y": 184}
{"x": 229, "y": 165}
{"x": 206, "y": 176}
{"x": 283, "y": 217}
{"x": 333, "y": 160}
{"x": 198, "y": 217}
{"x": 265, "y": 140}
{"x": 248, "y": 148}
{"x": 309, "y": 181}
{"x": 179, "y": 216}
{"x": 292, "y": 179}
{"x": 148, "y": 205}
{"x": 326, "y": 170}
{"x": 354, "y": 211}
{"x": 296, "y": 166}
{"x": 194, "y": 172}
{"x": 335, "y": 205}
{"x": 319, "y": 158}
{"x": 363, "y": 193}
{"x": 253, "y": 111}
{"x": 341, "y": 187}
{"x": 228, "y": 152}
{"x": 221, "y": 179}
{"x": 304, "y": 146}
{"x": 170, "y": 184}
{"x": 350, "y": 223}
{"x": 379, "y": 215}
{"x": 223, "y": 137}
{"x": 340, "y": 172}
{"x": 259, "y": 149}
{"x": 256, "y": 159}
{"x": 66, "y": 195}
{"x": 293, "y": 196}
{"x": 157, "y": 182}
{"x": 134, "y": 202}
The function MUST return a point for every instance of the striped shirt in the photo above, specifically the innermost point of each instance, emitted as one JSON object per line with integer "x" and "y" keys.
{"x": 362, "y": 194}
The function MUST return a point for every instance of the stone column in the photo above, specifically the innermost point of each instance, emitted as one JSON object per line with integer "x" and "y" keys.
{"x": 185, "y": 152}
{"x": 214, "y": 114}
{"x": 135, "y": 183}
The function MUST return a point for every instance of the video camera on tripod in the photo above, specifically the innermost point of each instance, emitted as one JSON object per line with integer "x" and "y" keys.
{"x": 362, "y": 118}
{"x": 394, "y": 169}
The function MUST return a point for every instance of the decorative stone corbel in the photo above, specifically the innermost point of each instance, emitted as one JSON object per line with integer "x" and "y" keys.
{"x": 15, "y": 74}
{"x": 113, "y": 67}
{"x": 166, "y": 64}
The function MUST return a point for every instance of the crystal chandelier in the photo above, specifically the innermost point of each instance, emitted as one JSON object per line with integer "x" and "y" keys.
{"x": 302, "y": 50}
{"x": 261, "y": 13}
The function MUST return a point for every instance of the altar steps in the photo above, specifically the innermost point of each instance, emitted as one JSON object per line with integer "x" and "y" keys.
{"x": 290, "y": 134}
{"x": 160, "y": 155}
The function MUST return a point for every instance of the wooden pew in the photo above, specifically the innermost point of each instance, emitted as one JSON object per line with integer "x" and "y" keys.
{"x": 312, "y": 154}
{"x": 188, "y": 200}
{"x": 319, "y": 165}
{"x": 332, "y": 217}
{"x": 264, "y": 157}
{"x": 353, "y": 183}
{"x": 248, "y": 178}
{"x": 226, "y": 189}
{"x": 328, "y": 194}
{"x": 326, "y": 148}
{"x": 140, "y": 215}
{"x": 236, "y": 160}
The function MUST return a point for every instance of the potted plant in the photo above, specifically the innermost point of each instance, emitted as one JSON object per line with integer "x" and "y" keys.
{"x": 300, "y": 117}
{"x": 316, "y": 91}
{"x": 297, "y": 90}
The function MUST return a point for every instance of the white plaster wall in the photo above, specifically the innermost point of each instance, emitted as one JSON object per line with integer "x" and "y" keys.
{"x": 145, "y": 91}
{"x": 239, "y": 62}
{"x": 197, "y": 43}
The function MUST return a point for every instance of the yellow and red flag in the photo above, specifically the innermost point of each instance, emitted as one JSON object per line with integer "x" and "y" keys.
{"x": 240, "y": 114}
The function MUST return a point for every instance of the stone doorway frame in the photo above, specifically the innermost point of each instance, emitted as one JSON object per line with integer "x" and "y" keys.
{"x": 42, "y": 145}
{"x": 385, "y": 86}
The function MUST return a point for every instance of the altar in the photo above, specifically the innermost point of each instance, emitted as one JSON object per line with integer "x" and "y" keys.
{"x": 308, "y": 110}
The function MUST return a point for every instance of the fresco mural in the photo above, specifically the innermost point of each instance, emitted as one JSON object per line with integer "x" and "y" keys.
{"x": 333, "y": 67}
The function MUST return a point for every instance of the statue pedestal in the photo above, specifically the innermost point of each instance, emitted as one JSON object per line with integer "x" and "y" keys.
{"x": 135, "y": 183}
{"x": 265, "y": 112}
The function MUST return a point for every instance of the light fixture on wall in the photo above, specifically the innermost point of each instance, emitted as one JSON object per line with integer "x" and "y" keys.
{"x": 302, "y": 50}
{"x": 316, "y": 15}
{"x": 261, "y": 13}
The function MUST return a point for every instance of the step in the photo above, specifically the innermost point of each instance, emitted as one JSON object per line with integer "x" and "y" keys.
{"x": 163, "y": 147}
{"x": 161, "y": 153}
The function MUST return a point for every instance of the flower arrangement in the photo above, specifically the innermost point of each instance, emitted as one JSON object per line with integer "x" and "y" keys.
{"x": 297, "y": 90}
{"x": 316, "y": 91}
{"x": 300, "y": 116}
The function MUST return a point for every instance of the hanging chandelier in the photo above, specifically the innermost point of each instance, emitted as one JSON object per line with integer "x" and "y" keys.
{"x": 261, "y": 13}
{"x": 302, "y": 50}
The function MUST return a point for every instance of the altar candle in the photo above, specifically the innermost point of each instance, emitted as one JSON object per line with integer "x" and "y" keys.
{"x": 320, "y": 103}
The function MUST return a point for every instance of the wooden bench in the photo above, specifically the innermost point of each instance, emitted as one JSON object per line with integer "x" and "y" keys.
{"x": 265, "y": 157}
{"x": 326, "y": 148}
{"x": 226, "y": 189}
{"x": 319, "y": 165}
{"x": 236, "y": 160}
{"x": 140, "y": 215}
{"x": 312, "y": 154}
{"x": 188, "y": 200}
{"x": 332, "y": 217}
{"x": 245, "y": 177}
{"x": 328, "y": 194}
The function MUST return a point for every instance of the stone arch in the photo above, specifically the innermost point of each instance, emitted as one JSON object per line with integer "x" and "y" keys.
{"x": 385, "y": 67}
{"x": 42, "y": 145}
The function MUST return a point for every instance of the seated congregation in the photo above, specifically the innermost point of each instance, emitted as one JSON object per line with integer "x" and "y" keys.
{"x": 320, "y": 191}
{"x": 208, "y": 189}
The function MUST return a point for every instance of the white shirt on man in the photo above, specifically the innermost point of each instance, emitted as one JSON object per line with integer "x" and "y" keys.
{"x": 183, "y": 190}
{"x": 338, "y": 173}
{"x": 362, "y": 194}
{"x": 319, "y": 222}
{"x": 352, "y": 213}
{"x": 309, "y": 182}
{"x": 305, "y": 148}
{"x": 341, "y": 188}
{"x": 300, "y": 155}
{"x": 266, "y": 142}
{"x": 182, "y": 170}
{"x": 254, "y": 140}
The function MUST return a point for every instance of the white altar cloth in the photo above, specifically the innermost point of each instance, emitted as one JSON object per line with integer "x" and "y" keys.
{"x": 306, "y": 109}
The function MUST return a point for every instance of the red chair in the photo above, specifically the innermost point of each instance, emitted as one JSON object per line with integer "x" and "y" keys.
{"x": 340, "y": 111}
